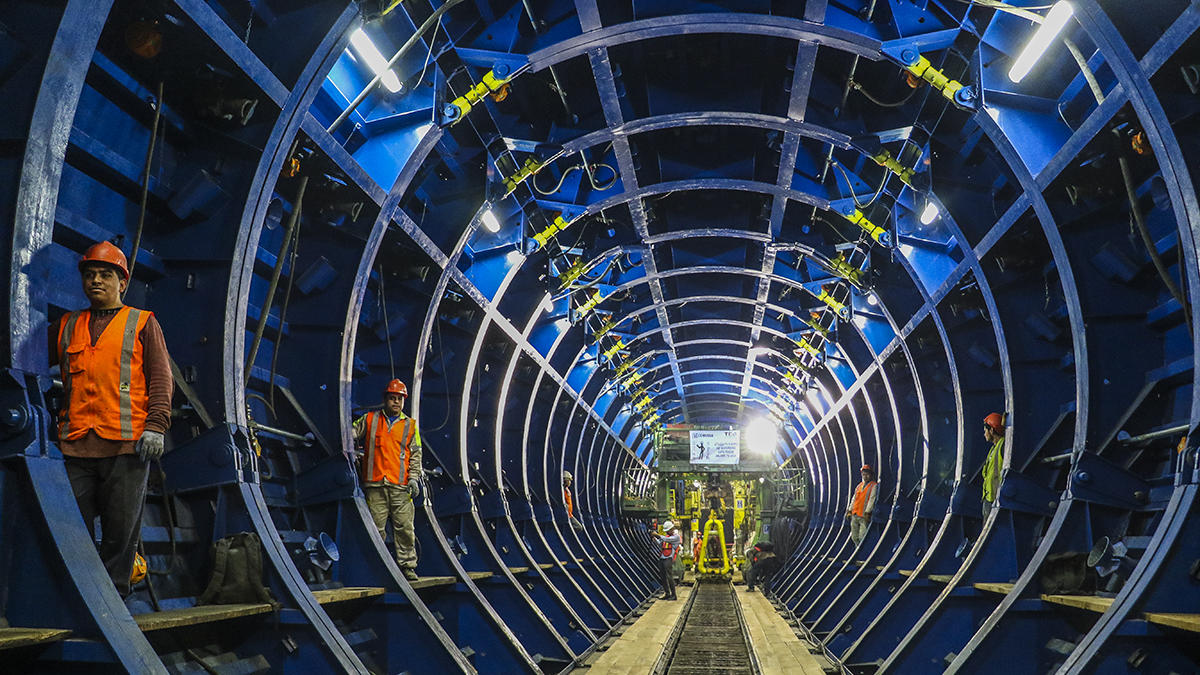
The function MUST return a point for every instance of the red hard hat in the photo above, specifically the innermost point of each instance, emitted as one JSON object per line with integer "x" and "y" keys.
{"x": 108, "y": 254}
{"x": 995, "y": 421}
{"x": 867, "y": 467}
{"x": 396, "y": 387}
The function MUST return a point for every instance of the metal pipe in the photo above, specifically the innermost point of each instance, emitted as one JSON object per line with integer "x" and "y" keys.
{"x": 1154, "y": 435}
{"x": 307, "y": 439}
{"x": 283, "y": 252}
{"x": 1055, "y": 458}
{"x": 408, "y": 44}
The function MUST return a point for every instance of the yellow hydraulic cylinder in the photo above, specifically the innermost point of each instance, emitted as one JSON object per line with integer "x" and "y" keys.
{"x": 807, "y": 346}
{"x": 813, "y": 324}
{"x": 557, "y": 226}
{"x": 887, "y": 161}
{"x": 641, "y": 403}
{"x": 936, "y": 79}
{"x": 633, "y": 379}
{"x": 530, "y": 167}
{"x": 858, "y": 218}
{"x": 604, "y": 329}
{"x": 838, "y": 307}
{"x": 490, "y": 84}
{"x": 841, "y": 267}
{"x": 617, "y": 346}
{"x": 591, "y": 303}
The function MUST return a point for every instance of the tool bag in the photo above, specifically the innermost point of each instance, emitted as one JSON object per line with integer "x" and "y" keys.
{"x": 1067, "y": 573}
{"x": 237, "y": 575}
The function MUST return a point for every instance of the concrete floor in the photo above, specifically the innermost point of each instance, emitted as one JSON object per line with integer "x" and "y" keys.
{"x": 635, "y": 652}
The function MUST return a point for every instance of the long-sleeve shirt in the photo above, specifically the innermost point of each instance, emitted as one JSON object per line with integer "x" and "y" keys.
{"x": 160, "y": 385}
{"x": 864, "y": 499}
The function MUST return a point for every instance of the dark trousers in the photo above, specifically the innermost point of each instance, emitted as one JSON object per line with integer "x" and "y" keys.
{"x": 113, "y": 488}
{"x": 667, "y": 570}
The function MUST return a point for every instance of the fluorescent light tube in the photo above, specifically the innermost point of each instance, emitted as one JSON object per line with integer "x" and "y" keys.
{"x": 1051, "y": 26}
{"x": 930, "y": 213}
{"x": 490, "y": 222}
{"x": 375, "y": 61}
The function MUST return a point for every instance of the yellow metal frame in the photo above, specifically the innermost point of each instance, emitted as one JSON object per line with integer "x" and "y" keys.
{"x": 702, "y": 565}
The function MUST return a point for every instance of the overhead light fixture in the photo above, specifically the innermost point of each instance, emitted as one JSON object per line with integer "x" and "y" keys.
{"x": 375, "y": 61}
{"x": 490, "y": 222}
{"x": 1051, "y": 26}
{"x": 761, "y": 436}
{"x": 930, "y": 213}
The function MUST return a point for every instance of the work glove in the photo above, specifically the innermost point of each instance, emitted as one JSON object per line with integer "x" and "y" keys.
{"x": 150, "y": 446}
{"x": 414, "y": 489}
{"x": 576, "y": 524}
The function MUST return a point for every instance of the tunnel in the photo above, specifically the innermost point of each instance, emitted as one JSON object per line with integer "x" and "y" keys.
{"x": 575, "y": 230}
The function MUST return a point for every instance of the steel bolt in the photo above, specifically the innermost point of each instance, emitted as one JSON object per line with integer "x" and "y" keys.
{"x": 1083, "y": 477}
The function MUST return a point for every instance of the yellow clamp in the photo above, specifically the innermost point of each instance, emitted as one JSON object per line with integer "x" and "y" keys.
{"x": 887, "y": 161}
{"x": 531, "y": 166}
{"x": 792, "y": 378}
{"x": 807, "y": 346}
{"x": 633, "y": 379}
{"x": 491, "y": 83}
{"x": 836, "y": 306}
{"x": 812, "y": 323}
{"x": 625, "y": 365}
{"x": 877, "y": 233}
{"x": 641, "y": 403}
{"x": 936, "y": 79}
{"x": 591, "y": 303}
{"x": 557, "y": 226}
{"x": 572, "y": 273}
{"x": 604, "y": 329}
{"x": 608, "y": 353}
{"x": 841, "y": 267}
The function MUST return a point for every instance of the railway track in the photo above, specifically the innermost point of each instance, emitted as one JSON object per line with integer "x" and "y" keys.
{"x": 710, "y": 636}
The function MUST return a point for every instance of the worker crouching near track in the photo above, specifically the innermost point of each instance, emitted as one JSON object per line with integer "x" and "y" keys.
{"x": 391, "y": 471}
{"x": 117, "y": 388}
{"x": 862, "y": 505}
{"x": 669, "y": 544}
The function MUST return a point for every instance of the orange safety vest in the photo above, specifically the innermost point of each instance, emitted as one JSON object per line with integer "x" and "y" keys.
{"x": 104, "y": 384}
{"x": 859, "y": 506}
{"x": 385, "y": 447}
{"x": 668, "y": 549}
{"x": 570, "y": 502}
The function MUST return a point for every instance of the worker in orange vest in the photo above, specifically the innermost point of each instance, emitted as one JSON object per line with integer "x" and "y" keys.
{"x": 862, "y": 505}
{"x": 391, "y": 471}
{"x": 575, "y": 523}
{"x": 117, "y": 387}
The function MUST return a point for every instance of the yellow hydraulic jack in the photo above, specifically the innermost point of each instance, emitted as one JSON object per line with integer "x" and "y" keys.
{"x": 706, "y": 565}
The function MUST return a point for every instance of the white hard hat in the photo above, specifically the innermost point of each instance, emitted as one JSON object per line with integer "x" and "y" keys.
{"x": 668, "y": 525}
{"x": 567, "y": 476}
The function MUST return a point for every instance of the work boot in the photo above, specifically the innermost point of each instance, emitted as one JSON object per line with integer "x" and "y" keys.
{"x": 410, "y": 574}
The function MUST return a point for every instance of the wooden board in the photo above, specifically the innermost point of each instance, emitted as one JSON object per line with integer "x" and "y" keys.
{"x": 11, "y": 638}
{"x": 430, "y": 582}
{"x": 941, "y": 578}
{"x": 1091, "y": 603}
{"x": 479, "y": 575}
{"x": 906, "y": 573}
{"x": 191, "y": 616}
{"x": 518, "y": 570}
{"x": 349, "y": 593}
{"x": 991, "y": 587}
{"x": 1188, "y": 622}
{"x": 546, "y": 566}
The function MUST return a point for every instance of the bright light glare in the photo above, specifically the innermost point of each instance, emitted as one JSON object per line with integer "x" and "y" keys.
{"x": 514, "y": 257}
{"x": 375, "y": 61}
{"x": 547, "y": 303}
{"x": 930, "y": 213}
{"x": 562, "y": 323}
{"x": 813, "y": 396}
{"x": 490, "y": 222}
{"x": 761, "y": 436}
{"x": 872, "y": 299}
{"x": 860, "y": 321}
{"x": 1055, "y": 19}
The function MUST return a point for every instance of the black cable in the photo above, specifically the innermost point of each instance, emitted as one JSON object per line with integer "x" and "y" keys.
{"x": 149, "y": 164}
{"x": 886, "y": 104}
{"x": 386, "y": 329}
{"x": 287, "y": 299}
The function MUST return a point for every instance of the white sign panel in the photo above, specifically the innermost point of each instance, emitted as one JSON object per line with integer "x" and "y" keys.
{"x": 715, "y": 446}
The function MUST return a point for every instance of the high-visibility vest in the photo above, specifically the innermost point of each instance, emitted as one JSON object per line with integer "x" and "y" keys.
{"x": 104, "y": 384}
{"x": 668, "y": 549}
{"x": 569, "y": 501}
{"x": 861, "y": 494}
{"x": 992, "y": 468}
{"x": 385, "y": 448}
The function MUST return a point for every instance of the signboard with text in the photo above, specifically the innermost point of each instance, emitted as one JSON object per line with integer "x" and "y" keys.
{"x": 715, "y": 446}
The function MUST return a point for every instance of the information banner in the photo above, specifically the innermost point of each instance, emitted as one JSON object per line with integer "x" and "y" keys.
{"x": 715, "y": 446}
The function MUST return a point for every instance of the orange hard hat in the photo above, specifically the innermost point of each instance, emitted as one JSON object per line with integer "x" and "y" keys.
{"x": 104, "y": 252}
{"x": 867, "y": 467}
{"x": 995, "y": 421}
{"x": 396, "y": 387}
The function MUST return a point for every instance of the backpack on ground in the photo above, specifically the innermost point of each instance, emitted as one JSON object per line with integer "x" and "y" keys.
{"x": 237, "y": 575}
